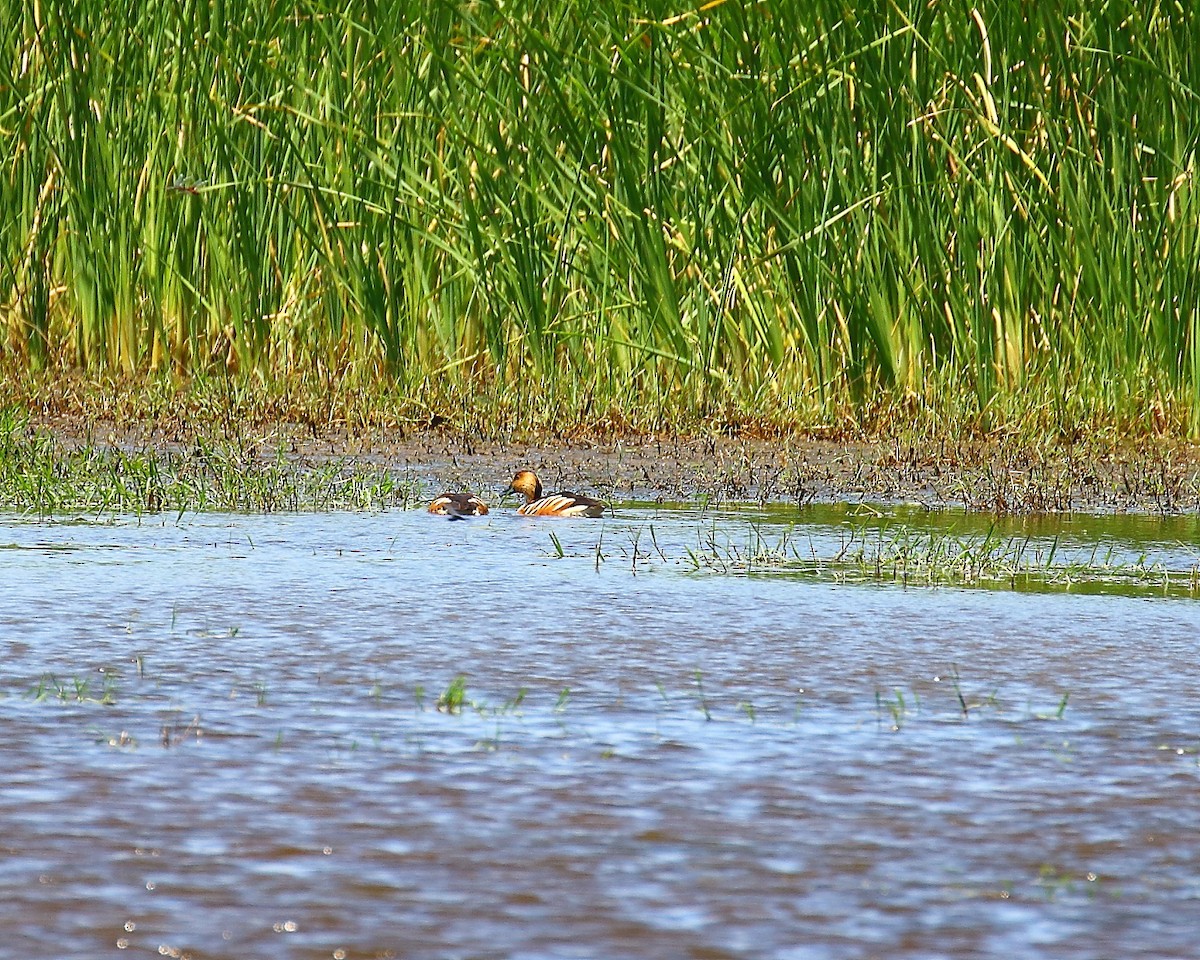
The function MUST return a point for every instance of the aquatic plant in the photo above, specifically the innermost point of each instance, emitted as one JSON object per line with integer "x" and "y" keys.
{"x": 801, "y": 212}
{"x": 896, "y": 553}
{"x": 895, "y": 706}
{"x": 452, "y": 699}
{"x": 964, "y": 705}
{"x": 75, "y": 690}
{"x": 700, "y": 694}
{"x": 174, "y": 733}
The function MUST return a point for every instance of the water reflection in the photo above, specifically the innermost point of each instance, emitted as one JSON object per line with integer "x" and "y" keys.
{"x": 223, "y": 738}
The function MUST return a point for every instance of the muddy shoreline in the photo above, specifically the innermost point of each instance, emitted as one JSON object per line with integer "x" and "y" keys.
{"x": 986, "y": 477}
{"x": 999, "y": 476}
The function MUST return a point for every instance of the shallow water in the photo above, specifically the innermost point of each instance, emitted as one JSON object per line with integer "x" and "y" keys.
{"x": 222, "y": 739}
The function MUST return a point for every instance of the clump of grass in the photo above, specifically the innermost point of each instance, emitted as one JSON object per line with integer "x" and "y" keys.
{"x": 895, "y": 706}
{"x": 75, "y": 690}
{"x": 902, "y": 555}
{"x": 45, "y": 474}
{"x": 796, "y": 212}
{"x": 454, "y": 697}
{"x": 899, "y": 554}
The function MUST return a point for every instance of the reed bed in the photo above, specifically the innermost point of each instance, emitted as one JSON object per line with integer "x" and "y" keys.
{"x": 789, "y": 211}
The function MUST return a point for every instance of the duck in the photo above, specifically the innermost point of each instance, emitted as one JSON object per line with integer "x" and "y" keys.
{"x": 456, "y": 506}
{"x": 565, "y": 504}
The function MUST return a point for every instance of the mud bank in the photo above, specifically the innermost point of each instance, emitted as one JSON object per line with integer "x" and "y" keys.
{"x": 984, "y": 475}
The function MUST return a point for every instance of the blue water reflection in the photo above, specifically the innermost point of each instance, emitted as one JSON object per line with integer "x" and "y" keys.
{"x": 223, "y": 738}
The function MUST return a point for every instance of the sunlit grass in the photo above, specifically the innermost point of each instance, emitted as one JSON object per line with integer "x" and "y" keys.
{"x": 899, "y": 554}
{"x": 75, "y": 689}
{"x": 42, "y": 474}
{"x": 650, "y": 215}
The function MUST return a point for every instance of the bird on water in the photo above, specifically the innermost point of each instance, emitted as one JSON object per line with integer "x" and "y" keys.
{"x": 537, "y": 504}
{"x": 457, "y": 506}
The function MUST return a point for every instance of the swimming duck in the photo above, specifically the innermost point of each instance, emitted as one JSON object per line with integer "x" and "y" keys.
{"x": 563, "y": 504}
{"x": 458, "y": 505}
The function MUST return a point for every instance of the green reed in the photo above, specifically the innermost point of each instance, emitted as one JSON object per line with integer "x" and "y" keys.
{"x": 783, "y": 210}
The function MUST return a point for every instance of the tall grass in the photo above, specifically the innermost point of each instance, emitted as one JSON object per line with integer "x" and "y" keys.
{"x": 769, "y": 209}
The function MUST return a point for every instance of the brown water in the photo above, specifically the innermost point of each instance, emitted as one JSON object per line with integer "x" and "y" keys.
{"x": 652, "y": 761}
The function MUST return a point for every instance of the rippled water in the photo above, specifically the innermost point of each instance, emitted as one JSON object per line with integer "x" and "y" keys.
{"x": 222, "y": 738}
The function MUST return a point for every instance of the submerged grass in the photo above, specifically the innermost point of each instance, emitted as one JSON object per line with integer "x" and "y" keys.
{"x": 805, "y": 213}
{"x": 534, "y": 713}
{"x": 75, "y": 690}
{"x": 899, "y": 554}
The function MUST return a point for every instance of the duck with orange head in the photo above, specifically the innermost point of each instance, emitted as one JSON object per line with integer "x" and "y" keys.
{"x": 539, "y": 504}
{"x": 457, "y": 506}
